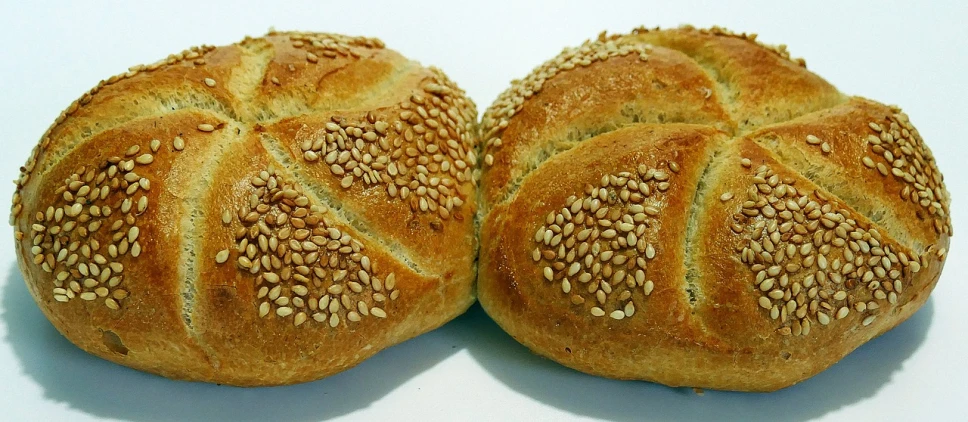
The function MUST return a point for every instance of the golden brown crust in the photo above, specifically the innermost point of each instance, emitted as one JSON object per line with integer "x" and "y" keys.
{"x": 620, "y": 91}
{"x": 758, "y": 85}
{"x": 415, "y": 303}
{"x": 570, "y": 326}
{"x": 840, "y": 146}
{"x": 183, "y": 219}
{"x": 745, "y": 274}
{"x": 682, "y": 75}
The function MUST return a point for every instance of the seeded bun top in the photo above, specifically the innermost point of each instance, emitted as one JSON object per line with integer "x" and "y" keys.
{"x": 681, "y": 206}
{"x": 267, "y": 212}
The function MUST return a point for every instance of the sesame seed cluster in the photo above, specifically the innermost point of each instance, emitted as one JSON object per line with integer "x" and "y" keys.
{"x": 85, "y": 237}
{"x": 423, "y": 154}
{"x": 305, "y": 266}
{"x": 898, "y": 151}
{"x": 597, "y": 246}
{"x": 499, "y": 114}
{"x": 330, "y": 46}
{"x": 813, "y": 261}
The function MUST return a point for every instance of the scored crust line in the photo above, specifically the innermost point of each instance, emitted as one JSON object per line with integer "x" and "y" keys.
{"x": 191, "y": 239}
{"x": 364, "y": 100}
{"x": 322, "y": 195}
{"x": 259, "y": 54}
{"x": 170, "y": 105}
{"x": 692, "y": 289}
{"x": 724, "y": 90}
{"x": 885, "y": 222}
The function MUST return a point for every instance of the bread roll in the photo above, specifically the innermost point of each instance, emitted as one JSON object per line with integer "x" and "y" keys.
{"x": 268, "y": 212}
{"x": 692, "y": 208}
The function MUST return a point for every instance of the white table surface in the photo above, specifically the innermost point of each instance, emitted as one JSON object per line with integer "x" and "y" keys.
{"x": 898, "y": 53}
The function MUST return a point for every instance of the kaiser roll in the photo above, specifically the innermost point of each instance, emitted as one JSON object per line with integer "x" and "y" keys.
{"x": 696, "y": 209}
{"x": 268, "y": 212}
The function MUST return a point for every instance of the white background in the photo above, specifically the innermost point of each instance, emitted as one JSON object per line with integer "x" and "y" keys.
{"x": 896, "y": 52}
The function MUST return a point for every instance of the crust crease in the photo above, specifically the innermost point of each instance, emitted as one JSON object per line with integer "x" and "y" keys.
{"x": 323, "y": 195}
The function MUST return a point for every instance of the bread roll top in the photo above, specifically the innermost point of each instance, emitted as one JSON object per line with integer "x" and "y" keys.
{"x": 267, "y": 212}
{"x": 683, "y": 206}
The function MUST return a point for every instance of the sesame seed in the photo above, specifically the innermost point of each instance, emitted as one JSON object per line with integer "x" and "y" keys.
{"x": 205, "y": 127}
{"x": 842, "y": 312}
{"x": 178, "y": 143}
{"x": 155, "y": 145}
{"x": 210, "y": 82}
{"x": 133, "y": 234}
{"x": 222, "y": 256}
{"x": 300, "y": 290}
{"x": 573, "y": 269}
{"x": 915, "y": 266}
{"x": 726, "y": 196}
